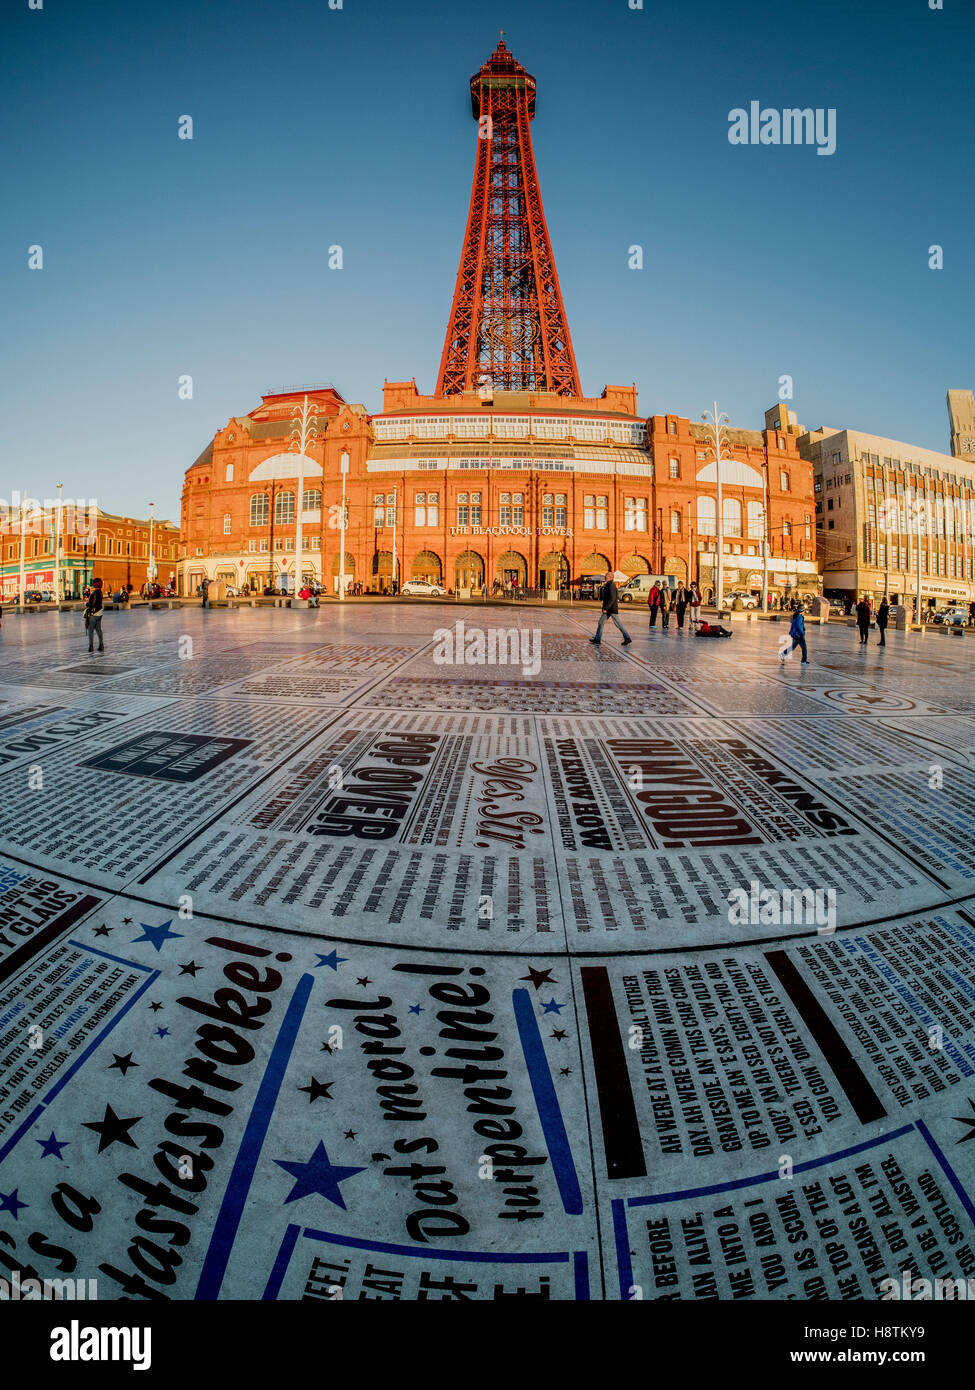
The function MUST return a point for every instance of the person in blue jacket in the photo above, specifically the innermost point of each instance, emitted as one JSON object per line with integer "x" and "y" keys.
{"x": 797, "y": 631}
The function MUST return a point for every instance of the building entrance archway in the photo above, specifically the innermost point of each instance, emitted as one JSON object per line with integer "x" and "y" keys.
{"x": 553, "y": 571}
{"x": 426, "y": 565}
{"x": 468, "y": 570}
{"x": 635, "y": 564}
{"x": 337, "y": 570}
{"x": 512, "y": 570}
{"x": 382, "y": 570}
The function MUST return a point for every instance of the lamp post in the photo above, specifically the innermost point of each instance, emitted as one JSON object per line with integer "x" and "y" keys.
{"x": 269, "y": 490}
{"x": 151, "y": 567}
{"x": 344, "y": 466}
{"x": 965, "y": 535}
{"x": 23, "y": 548}
{"x": 886, "y": 534}
{"x": 688, "y": 544}
{"x": 395, "y": 519}
{"x": 303, "y": 432}
{"x": 719, "y": 439}
{"x": 765, "y": 536}
{"x": 57, "y": 549}
{"x": 917, "y": 511}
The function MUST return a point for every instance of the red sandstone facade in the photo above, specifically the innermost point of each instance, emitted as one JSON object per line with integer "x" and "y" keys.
{"x": 527, "y": 488}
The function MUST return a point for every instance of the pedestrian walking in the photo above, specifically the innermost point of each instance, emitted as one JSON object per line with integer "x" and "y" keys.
{"x": 653, "y": 602}
{"x": 93, "y": 616}
{"x": 610, "y": 599}
{"x": 205, "y": 592}
{"x": 681, "y": 599}
{"x": 797, "y": 631}
{"x": 883, "y": 615}
{"x": 863, "y": 620}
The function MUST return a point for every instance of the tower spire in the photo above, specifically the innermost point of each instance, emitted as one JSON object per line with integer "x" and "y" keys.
{"x": 507, "y": 320}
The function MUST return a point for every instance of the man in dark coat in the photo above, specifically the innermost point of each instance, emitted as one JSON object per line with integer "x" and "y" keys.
{"x": 610, "y": 599}
{"x": 883, "y": 614}
{"x": 863, "y": 620}
{"x": 93, "y": 615}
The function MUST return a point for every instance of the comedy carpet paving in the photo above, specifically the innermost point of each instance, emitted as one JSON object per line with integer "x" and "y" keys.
{"x": 335, "y": 964}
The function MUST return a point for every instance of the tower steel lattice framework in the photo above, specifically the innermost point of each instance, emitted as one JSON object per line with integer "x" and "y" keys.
{"x": 507, "y": 326}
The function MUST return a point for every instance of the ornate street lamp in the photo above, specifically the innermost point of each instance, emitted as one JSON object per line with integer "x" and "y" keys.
{"x": 304, "y": 431}
{"x": 344, "y": 467}
{"x": 269, "y": 491}
{"x": 718, "y": 446}
{"x": 151, "y": 565}
{"x": 57, "y": 549}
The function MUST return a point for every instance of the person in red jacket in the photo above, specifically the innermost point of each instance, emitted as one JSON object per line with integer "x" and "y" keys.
{"x": 654, "y": 602}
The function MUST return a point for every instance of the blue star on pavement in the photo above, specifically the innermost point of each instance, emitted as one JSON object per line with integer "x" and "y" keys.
{"x": 552, "y": 1008}
{"x": 162, "y": 1032}
{"x": 52, "y": 1146}
{"x": 333, "y": 959}
{"x": 9, "y": 1202}
{"x": 319, "y": 1176}
{"x": 157, "y": 935}
{"x": 416, "y": 1009}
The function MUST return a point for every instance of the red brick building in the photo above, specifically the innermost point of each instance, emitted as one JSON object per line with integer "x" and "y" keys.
{"x": 467, "y": 490}
{"x": 93, "y": 543}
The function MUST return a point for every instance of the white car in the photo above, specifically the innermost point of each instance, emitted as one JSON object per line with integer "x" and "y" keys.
{"x": 422, "y": 588}
{"x": 747, "y": 600}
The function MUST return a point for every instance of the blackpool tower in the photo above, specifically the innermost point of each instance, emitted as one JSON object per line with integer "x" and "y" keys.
{"x": 507, "y": 329}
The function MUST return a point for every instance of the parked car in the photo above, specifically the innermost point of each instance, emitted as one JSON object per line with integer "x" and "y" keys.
{"x": 748, "y": 600}
{"x": 422, "y": 588}
{"x": 34, "y": 596}
{"x": 952, "y": 617}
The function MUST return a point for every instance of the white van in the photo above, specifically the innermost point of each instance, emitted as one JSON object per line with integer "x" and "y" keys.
{"x": 637, "y": 589}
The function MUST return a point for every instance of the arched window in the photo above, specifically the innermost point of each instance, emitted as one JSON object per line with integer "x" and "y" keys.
{"x": 707, "y": 516}
{"x": 284, "y": 508}
{"x": 259, "y": 509}
{"x": 311, "y": 500}
{"x": 755, "y": 519}
{"x": 731, "y": 516}
{"x": 230, "y": 473}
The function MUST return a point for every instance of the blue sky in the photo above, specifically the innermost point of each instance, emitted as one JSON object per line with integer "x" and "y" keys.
{"x": 314, "y": 127}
